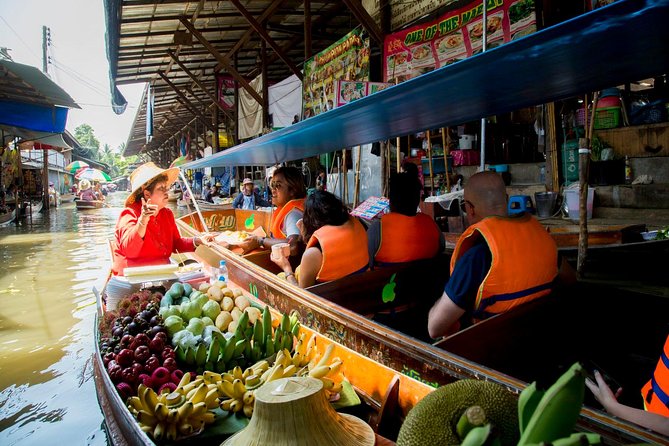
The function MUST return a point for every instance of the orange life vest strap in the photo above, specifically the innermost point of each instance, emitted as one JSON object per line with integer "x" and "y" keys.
{"x": 344, "y": 250}
{"x": 656, "y": 391}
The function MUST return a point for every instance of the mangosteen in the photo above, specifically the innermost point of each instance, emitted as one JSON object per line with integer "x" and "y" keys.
{"x": 155, "y": 320}
{"x": 127, "y": 320}
{"x": 133, "y": 328}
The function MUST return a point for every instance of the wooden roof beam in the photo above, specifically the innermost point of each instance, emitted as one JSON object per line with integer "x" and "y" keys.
{"x": 267, "y": 38}
{"x": 365, "y": 20}
{"x": 223, "y": 60}
{"x": 186, "y": 102}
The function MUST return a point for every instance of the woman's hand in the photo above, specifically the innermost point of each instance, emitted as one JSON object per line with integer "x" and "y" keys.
{"x": 206, "y": 239}
{"x": 603, "y": 392}
{"x": 249, "y": 243}
{"x": 148, "y": 210}
{"x": 283, "y": 263}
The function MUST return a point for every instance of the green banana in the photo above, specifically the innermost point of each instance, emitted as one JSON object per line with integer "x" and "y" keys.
{"x": 269, "y": 346}
{"x": 287, "y": 341}
{"x": 558, "y": 409}
{"x": 258, "y": 337}
{"x": 477, "y": 436}
{"x": 285, "y": 322}
{"x": 295, "y": 329}
{"x": 229, "y": 350}
{"x": 267, "y": 324}
{"x": 243, "y": 321}
{"x": 527, "y": 403}
{"x": 473, "y": 417}
{"x": 190, "y": 355}
{"x": 201, "y": 355}
{"x": 239, "y": 347}
{"x": 278, "y": 339}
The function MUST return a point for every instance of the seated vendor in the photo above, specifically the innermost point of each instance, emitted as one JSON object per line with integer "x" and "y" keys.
{"x": 403, "y": 235}
{"x": 248, "y": 198}
{"x": 499, "y": 262}
{"x": 146, "y": 232}
{"x": 336, "y": 242}
{"x": 86, "y": 192}
{"x": 288, "y": 194}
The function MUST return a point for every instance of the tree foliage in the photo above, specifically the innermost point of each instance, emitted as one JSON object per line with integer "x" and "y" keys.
{"x": 118, "y": 164}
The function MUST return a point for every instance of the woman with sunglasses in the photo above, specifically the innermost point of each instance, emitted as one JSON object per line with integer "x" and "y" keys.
{"x": 336, "y": 243}
{"x": 288, "y": 194}
{"x": 146, "y": 232}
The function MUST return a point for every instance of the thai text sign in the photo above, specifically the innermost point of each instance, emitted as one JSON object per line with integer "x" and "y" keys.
{"x": 346, "y": 59}
{"x": 454, "y": 36}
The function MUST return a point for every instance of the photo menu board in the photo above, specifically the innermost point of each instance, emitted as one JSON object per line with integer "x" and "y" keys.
{"x": 347, "y": 59}
{"x": 454, "y": 36}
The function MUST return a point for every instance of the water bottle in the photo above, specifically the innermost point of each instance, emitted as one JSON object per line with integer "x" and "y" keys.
{"x": 222, "y": 272}
{"x": 542, "y": 175}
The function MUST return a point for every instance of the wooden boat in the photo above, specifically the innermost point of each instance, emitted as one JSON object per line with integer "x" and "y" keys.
{"x": 7, "y": 218}
{"x": 225, "y": 203}
{"x": 89, "y": 204}
{"x": 34, "y": 207}
{"x": 67, "y": 198}
{"x": 386, "y": 395}
{"x": 342, "y": 310}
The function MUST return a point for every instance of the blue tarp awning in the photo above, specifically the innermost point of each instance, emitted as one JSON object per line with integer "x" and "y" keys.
{"x": 625, "y": 41}
{"x": 33, "y": 116}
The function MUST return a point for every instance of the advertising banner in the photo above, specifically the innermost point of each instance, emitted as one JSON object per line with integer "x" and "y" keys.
{"x": 349, "y": 91}
{"x": 226, "y": 91}
{"x": 346, "y": 59}
{"x": 455, "y": 36}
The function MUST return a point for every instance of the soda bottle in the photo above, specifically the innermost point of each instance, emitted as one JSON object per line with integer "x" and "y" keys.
{"x": 628, "y": 170}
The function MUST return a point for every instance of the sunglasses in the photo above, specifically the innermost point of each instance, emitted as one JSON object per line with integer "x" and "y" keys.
{"x": 463, "y": 205}
{"x": 274, "y": 185}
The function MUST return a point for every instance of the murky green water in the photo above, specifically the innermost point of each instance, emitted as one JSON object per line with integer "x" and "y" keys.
{"x": 47, "y": 312}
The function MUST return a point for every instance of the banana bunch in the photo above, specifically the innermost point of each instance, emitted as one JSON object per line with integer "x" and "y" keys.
{"x": 181, "y": 413}
{"x": 238, "y": 388}
{"x": 267, "y": 342}
{"x": 326, "y": 369}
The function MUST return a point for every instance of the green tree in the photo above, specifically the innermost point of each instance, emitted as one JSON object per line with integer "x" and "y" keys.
{"x": 86, "y": 137}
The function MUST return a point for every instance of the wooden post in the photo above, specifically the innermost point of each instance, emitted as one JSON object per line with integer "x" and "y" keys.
{"x": 344, "y": 168}
{"x": 356, "y": 192}
{"x": 397, "y": 150}
{"x": 265, "y": 90}
{"x": 444, "y": 144}
{"x": 307, "y": 29}
{"x": 428, "y": 134}
{"x": 551, "y": 147}
{"x": 45, "y": 180}
{"x": 583, "y": 164}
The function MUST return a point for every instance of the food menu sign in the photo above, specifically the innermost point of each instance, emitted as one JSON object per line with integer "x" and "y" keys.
{"x": 456, "y": 35}
{"x": 347, "y": 59}
{"x": 349, "y": 91}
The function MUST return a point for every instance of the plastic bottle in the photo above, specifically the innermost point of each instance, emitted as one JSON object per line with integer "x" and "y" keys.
{"x": 542, "y": 175}
{"x": 222, "y": 271}
{"x": 628, "y": 170}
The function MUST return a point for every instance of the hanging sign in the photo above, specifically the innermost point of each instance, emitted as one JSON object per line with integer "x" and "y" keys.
{"x": 454, "y": 36}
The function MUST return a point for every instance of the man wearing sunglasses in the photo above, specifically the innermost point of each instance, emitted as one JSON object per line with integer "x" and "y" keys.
{"x": 499, "y": 262}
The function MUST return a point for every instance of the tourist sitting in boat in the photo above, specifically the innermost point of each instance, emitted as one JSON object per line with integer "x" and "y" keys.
{"x": 248, "y": 198}
{"x": 86, "y": 193}
{"x": 146, "y": 232}
{"x": 335, "y": 246}
{"x": 98, "y": 192}
{"x": 403, "y": 235}
{"x": 212, "y": 193}
{"x": 499, "y": 262}
{"x": 288, "y": 194}
{"x": 654, "y": 394}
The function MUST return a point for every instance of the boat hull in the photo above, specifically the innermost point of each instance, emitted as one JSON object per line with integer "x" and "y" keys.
{"x": 86, "y": 204}
{"x": 7, "y": 218}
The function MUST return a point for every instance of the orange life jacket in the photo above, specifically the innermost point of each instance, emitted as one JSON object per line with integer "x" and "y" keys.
{"x": 656, "y": 391}
{"x": 524, "y": 262}
{"x": 280, "y": 215}
{"x": 404, "y": 239}
{"x": 344, "y": 250}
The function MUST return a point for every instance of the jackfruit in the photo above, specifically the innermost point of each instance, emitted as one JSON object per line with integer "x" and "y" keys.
{"x": 433, "y": 421}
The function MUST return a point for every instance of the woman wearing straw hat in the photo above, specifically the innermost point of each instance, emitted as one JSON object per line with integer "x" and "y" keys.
{"x": 86, "y": 193}
{"x": 146, "y": 232}
{"x": 248, "y": 198}
{"x": 288, "y": 194}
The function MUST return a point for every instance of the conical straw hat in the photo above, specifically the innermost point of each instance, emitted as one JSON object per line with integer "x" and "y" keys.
{"x": 294, "y": 411}
{"x": 144, "y": 174}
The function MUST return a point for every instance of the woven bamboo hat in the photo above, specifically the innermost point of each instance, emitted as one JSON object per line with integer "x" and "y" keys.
{"x": 144, "y": 174}
{"x": 294, "y": 411}
{"x": 84, "y": 184}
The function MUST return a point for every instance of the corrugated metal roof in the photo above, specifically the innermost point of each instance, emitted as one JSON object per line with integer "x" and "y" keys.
{"x": 26, "y": 84}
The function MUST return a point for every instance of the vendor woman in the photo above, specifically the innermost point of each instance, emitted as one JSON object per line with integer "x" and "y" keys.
{"x": 146, "y": 232}
{"x": 288, "y": 194}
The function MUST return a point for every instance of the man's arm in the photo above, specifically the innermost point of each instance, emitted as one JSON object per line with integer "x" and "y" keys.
{"x": 443, "y": 315}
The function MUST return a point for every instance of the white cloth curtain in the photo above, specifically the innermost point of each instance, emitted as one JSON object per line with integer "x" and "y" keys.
{"x": 250, "y": 111}
{"x": 285, "y": 101}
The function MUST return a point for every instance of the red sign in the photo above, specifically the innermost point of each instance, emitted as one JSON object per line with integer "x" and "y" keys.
{"x": 226, "y": 91}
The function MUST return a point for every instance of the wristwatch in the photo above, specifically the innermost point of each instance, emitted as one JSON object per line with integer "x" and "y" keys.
{"x": 262, "y": 242}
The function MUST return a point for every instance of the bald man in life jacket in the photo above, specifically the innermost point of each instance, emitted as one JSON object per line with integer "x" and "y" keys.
{"x": 499, "y": 262}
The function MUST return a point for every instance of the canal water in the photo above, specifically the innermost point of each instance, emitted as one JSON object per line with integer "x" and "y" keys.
{"x": 47, "y": 311}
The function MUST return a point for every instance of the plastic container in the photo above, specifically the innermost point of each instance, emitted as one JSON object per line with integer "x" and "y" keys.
{"x": 545, "y": 203}
{"x": 222, "y": 271}
{"x": 607, "y": 118}
{"x": 570, "y": 160}
{"x": 572, "y": 197}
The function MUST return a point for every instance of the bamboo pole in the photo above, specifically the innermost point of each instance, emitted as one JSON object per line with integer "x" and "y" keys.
{"x": 397, "y": 154}
{"x": 356, "y": 192}
{"x": 446, "y": 152}
{"x": 583, "y": 164}
{"x": 197, "y": 207}
{"x": 344, "y": 183}
{"x": 551, "y": 144}
{"x": 429, "y": 160}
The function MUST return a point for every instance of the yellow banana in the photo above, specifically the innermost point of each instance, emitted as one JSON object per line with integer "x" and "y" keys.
{"x": 228, "y": 377}
{"x": 239, "y": 389}
{"x": 200, "y": 394}
{"x": 199, "y": 409}
{"x": 184, "y": 411}
{"x": 289, "y": 371}
{"x": 208, "y": 417}
{"x": 334, "y": 367}
{"x": 171, "y": 416}
{"x": 146, "y": 418}
{"x": 326, "y": 356}
{"x": 328, "y": 384}
{"x": 247, "y": 373}
{"x": 186, "y": 429}
{"x": 276, "y": 372}
{"x": 141, "y": 394}
{"x": 147, "y": 429}
{"x": 184, "y": 380}
{"x": 227, "y": 389}
{"x": 171, "y": 432}
{"x": 211, "y": 377}
{"x": 260, "y": 366}
{"x": 337, "y": 387}
{"x": 161, "y": 411}
{"x": 297, "y": 359}
{"x": 248, "y": 398}
{"x": 134, "y": 403}
{"x": 159, "y": 431}
{"x": 225, "y": 404}
{"x": 320, "y": 371}
{"x": 237, "y": 373}
{"x": 252, "y": 381}
{"x": 236, "y": 406}
{"x": 279, "y": 358}
{"x": 211, "y": 400}
{"x": 248, "y": 410}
